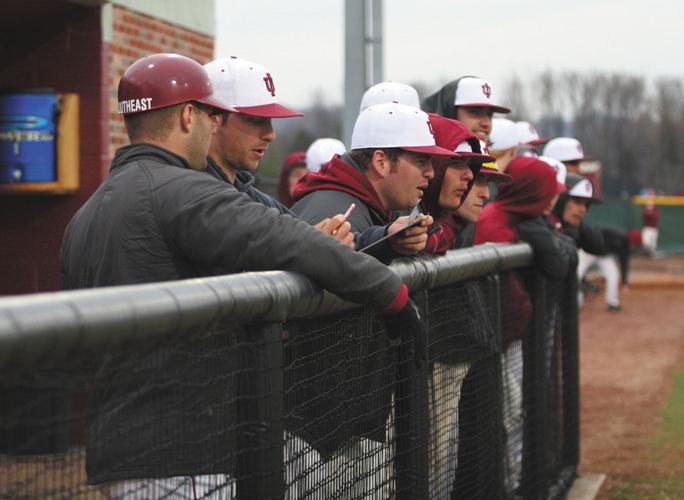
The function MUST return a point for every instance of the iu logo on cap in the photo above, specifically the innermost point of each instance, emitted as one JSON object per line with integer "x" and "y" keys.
{"x": 270, "y": 86}
{"x": 579, "y": 149}
{"x": 487, "y": 90}
{"x": 429, "y": 124}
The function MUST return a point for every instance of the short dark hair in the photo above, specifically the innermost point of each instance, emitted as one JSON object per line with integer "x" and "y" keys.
{"x": 219, "y": 112}
{"x": 158, "y": 123}
{"x": 363, "y": 157}
{"x": 155, "y": 124}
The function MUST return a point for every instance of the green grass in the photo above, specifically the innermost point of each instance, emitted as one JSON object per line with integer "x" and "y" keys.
{"x": 661, "y": 488}
{"x": 667, "y": 450}
{"x": 672, "y": 431}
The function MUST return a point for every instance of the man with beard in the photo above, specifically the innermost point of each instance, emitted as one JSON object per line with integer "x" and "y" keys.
{"x": 387, "y": 170}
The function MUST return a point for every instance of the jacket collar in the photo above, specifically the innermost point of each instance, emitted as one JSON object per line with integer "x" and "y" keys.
{"x": 139, "y": 151}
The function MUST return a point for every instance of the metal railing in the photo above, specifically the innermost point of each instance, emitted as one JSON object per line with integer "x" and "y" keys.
{"x": 282, "y": 352}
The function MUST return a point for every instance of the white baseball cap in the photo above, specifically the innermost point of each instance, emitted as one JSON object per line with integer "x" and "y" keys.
{"x": 466, "y": 150}
{"x": 565, "y": 149}
{"x": 394, "y": 125}
{"x": 560, "y": 169}
{"x": 321, "y": 151}
{"x": 528, "y": 135}
{"x": 472, "y": 91}
{"x": 390, "y": 92}
{"x": 504, "y": 135}
{"x": 246, "y": 87}
{"x": 583, "y": 189}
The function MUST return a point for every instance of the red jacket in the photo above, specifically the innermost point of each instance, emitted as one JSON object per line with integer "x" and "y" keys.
{"x": 650, "y": 216}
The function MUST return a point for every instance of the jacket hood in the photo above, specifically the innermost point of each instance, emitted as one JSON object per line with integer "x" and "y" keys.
{"x": 443, "y": 101}
{"x": 342, "y": 174}
{"x": 531, "y": 189}
{"x": 294, "y": 160}
{"x": 134, "y": 152}
{"x": 448, "y": 134}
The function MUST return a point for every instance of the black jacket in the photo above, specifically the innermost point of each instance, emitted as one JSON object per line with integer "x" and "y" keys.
{"x": 155, "y": 219}
{"x": 553, "y": 253}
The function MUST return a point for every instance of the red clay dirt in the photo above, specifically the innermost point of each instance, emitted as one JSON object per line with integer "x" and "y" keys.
{"x": 627, "y": 364}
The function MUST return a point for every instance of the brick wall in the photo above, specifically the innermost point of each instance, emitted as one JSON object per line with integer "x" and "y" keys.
{"x": 65, "y": 54}
{"x": 136, "y": 35}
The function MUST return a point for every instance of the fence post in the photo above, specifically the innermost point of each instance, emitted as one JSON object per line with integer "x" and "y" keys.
{"x": 571, "y": 402}
{"x": 495, "y": 441}
{"x": 411, "y": 422}
{"x": 260, "y": 413}
{"x": 534, "y": 480}
{"x": 480, "y": 438}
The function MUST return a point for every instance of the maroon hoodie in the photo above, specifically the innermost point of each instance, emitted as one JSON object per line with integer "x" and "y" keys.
{"x": 532, "y": 187}
{"x": 530, "y": 191}
{"x": 338, "y": 175}
{"x": 294, "y": 160}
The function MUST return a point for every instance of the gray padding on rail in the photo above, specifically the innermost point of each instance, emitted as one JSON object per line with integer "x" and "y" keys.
{"x": 52, "y": 325}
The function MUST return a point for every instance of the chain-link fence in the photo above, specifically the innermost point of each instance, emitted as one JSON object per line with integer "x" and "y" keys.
{"x": 261, "y": 386}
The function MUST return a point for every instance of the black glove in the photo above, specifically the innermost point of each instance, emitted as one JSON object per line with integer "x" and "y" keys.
{"x": 407, "y": 325}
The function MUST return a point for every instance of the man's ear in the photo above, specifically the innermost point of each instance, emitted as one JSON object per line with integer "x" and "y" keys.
{"x": 216, "y": 123}
{"x": 186, "y": 117}
{"x": 380, "y": 163}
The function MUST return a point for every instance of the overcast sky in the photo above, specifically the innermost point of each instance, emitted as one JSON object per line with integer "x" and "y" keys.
{"x": 433, "y": 41}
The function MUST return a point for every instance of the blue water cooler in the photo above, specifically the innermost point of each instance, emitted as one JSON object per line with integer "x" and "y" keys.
{"x": 27, "y": 137}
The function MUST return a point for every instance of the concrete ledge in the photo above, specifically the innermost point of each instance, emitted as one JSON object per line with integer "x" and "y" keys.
{"x": 586, "y": 487}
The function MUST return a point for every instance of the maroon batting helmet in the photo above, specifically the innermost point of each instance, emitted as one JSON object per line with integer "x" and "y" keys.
{"x": 162, "y": 80}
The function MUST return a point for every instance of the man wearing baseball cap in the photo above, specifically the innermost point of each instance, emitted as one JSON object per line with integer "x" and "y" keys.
{"x": 595, "y": 242}
{"x": 529, "y": 139}
{"x": 387, "y": 169}
{"x": 243, "y": 132}
{"x": 571, "y": 209}
{"x": 383, "y": 92}
{"x": 503, "y": 142}
{"x": 454, "y": 178}
{"x": 477, "y": 197}
{"x": 469, "y": 99}
{"x": 568, "y": 150}
{"x": 322, "y": 151}
{"x": 159, "y": 217}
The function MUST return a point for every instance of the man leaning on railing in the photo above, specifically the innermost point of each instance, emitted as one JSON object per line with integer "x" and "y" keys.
{"x": 159, "y": 217}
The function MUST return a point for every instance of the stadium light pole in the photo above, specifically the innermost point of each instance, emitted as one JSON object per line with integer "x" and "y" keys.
{"x": 362, "y": 56}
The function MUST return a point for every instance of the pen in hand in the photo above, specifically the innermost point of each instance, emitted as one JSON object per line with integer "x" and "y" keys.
{"x": 345, "y": 216}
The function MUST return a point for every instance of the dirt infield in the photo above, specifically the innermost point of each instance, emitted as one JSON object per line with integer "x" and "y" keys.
{"x": 627, "y": 363}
